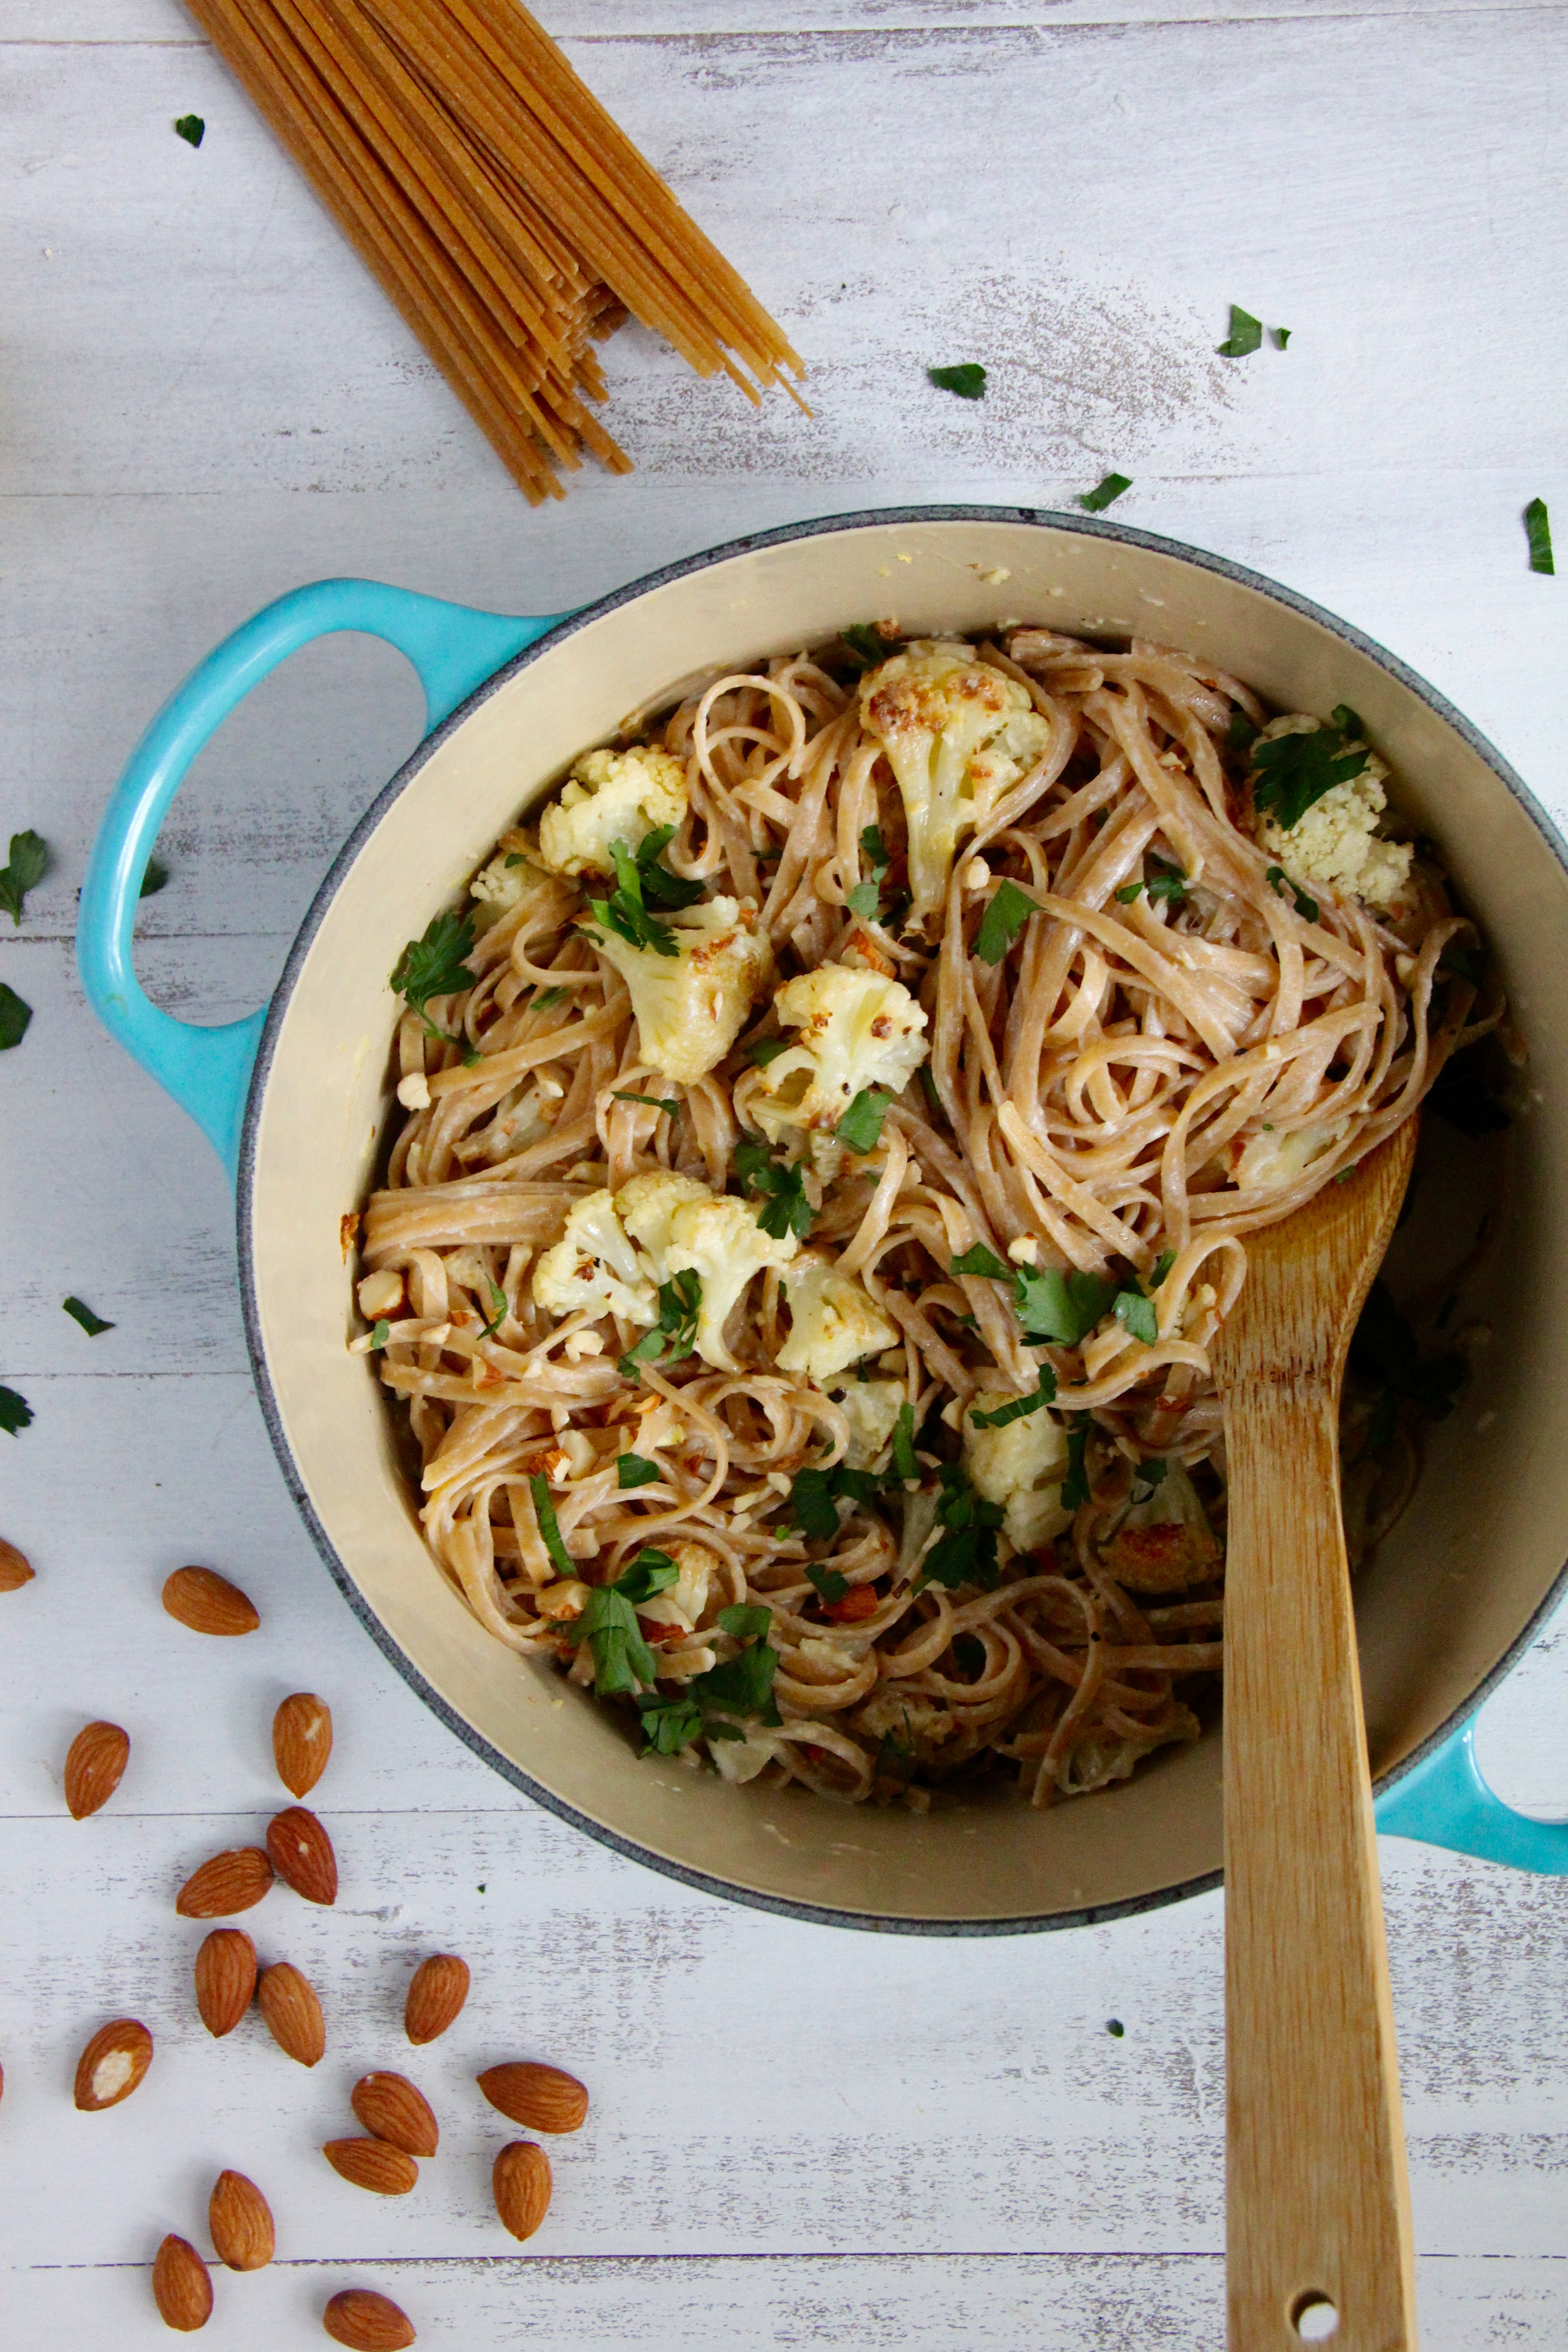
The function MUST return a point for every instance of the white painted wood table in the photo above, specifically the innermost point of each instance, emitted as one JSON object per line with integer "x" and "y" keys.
{"x": 799, "y": 2138}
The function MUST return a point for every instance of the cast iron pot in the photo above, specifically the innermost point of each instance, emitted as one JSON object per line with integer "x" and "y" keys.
{"x": 298, "y": 1097}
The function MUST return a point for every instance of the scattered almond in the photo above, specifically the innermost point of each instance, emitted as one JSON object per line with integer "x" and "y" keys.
{"x": 93, "y": 1767}
{"x": 373, "y": 2164}
{"x": 15, "y": 1567}
{"x": 437, "y": 1991}
{"x": 540, "y": 2098}
{"x": 112, "y": 2065}
{"x": 301, "y": 1741}
{"x": 293, "y": 2013}
{"x": 232, "y": 1881}
{"x": 240, "y": 2221}
{"x": 367, "y": 2322}
{"x": 181, "y": 2288}
{"x": 520, "y": 2183}
{"x": 208, "y": 1603}
{"x": 225, "y": 1979}
{"x": 390, "y": 2108}
{"x": 300, "y": 1852}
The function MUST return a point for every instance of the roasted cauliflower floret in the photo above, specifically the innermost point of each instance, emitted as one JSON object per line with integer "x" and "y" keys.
{"x": 693, "y": 1003}
{"x": 957, "y": 734}
{"x": 1165, "y": 1542}
{"x": 610, "y": 796}
{"x": 711, "y": 1236}
{"x": 595, "y": 1269}
{"x": 1337, "y": 840}
{"x": 858, "y": 1030}
{"x": 1021, "y": 1466}
{"x": 833, "y": 1322}
{"x": 496, "y": 889}
{"x": 871, "y": 1409}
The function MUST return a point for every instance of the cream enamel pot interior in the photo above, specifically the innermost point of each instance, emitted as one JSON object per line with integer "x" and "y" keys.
{"x": 298, "y": 1101}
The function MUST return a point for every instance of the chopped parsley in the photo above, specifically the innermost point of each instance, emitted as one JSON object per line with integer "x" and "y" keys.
{"x": 153, "y": 879}
{"x": 1384, "y": 1351}
{"x": 814, "y": 1494}
{"x": 980, "y": 1260}
{"x": 191, "y": 129}
{"x": 782, "y": 1184}
{"x": 1003, "y": 920}
{"x": 766, "y": 1050}
{"x": 1063, "y": 1308}
{"x": 638, "y": 879}
{"x": 965, "y": 1551}
{"x": 1281, "y": 337}
{"x": 674, "y": 1336}
{"x": 608, "y": 1623}
{"x": 896, "y": 1757}
{"x": 967, "y": 380}
{"x": 635, "y": 1470}
{"x": 904, "y": 1463}
{"x": 1246, "y": 334}
{"x": 1292, "y": 773}
{"x": 1136, "y": 1316}
{"x": 1115, "y": 2028}
{"x": 435, "y": 966}
{"x": 1162, "y": 1265}
{"x": 742, "y": 1684}
{"x": 1280, "y": 882}
{"x": 665, "y": 888}
{"x": 1242, "y": 733}
{"x": 1147, "y": 1478}
{"x": 865, "y": 898}
{"x": 670, "y": 1725}
{"x": 928, "y": 1087}
{"x": 547, "y": 997}
{"x": 1538, "y": 530}
{"x": 864, "y": 638}
{"x": 549, "y": 1525}
{"x": 15, "y": 1412}
{"x": 498, "y": 1309}
{"x": 830, "y": 1585}
{"x": 860, "y": 1128}
{"x": 1166, "y": 881}
{"x": 1019, "y": 1406}
{"x": 1076, "y": 1488}
{"x": 15, "y": 1015}
{"x": 665, "y": 1103}
{"x": 1466, "y": 962}
{"x": 80, "y": 1313}
{"x": 29, "y": 862}
{"x": 1105, "y": 493}
{"x": 381, "y": 1332}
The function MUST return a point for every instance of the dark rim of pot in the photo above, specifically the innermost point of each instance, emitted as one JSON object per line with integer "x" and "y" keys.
{"x": 704, "y": 1881}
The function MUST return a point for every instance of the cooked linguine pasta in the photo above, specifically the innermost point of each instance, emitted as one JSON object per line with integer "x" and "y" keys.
{"x": 832, "y": 1141}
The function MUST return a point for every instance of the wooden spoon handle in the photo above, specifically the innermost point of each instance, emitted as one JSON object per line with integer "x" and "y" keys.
{"x": 1317, "y": 2206}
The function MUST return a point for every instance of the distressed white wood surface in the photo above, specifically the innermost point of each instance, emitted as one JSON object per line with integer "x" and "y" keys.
{"x": 799, "y": 2138}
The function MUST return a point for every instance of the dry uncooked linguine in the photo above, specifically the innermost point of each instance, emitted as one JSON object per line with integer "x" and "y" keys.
{"x": 832, "y": 1137}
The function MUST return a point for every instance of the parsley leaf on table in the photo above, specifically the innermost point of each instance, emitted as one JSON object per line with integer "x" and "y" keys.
{"x": 29, "y": 862}
{"x": 1105, "y": 493}
{"x": 14, "y": 1014}
{"x": 1246, "y": 334}
{"x": 967, "y": 380}
{"x": 90, "y": 1323}
{"x": 1538, "y": 530}
{"x": 15, "y": 1412}
{"x": 783, "y": 1186}
{"x": 191, "y": 129}
{"x": 153, "y": 879}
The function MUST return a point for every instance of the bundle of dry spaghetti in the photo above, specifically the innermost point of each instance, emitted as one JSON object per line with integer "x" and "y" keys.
{"x": 503, "y": 212}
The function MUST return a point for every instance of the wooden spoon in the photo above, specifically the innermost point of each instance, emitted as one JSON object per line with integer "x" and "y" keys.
{"x": 1317, "y": 2205}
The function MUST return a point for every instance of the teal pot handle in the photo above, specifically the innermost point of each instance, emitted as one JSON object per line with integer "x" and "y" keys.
{"x": 1445, "y": 1802}
{"x": 207, "y": 1070}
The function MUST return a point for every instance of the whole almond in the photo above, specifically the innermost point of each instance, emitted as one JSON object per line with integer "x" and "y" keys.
{"x": 181, "y": 2287}
{"x": 232, "y": 1881}
{"x": 112, "y": 2065}
{"x": 240, "y": 2221}
{"x": 373, "y": 2164}
{"x": 301, "y": 1853}
{"x": 15, "y": 1567}
{"x": 208, "y": 1603}
{"x": 301, "y": 1741}
{"x": 520, "y": 2183}
{"x": 225, "y": 1979}
{"x": 367, "y": 2322}
{"x": 390, "y": 2108}
{"x": 437, "y": 1991}
{"x": 93, "y": 1767}
{"x": 293, "y": 2013}
{"x": 540, "y": 2098}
